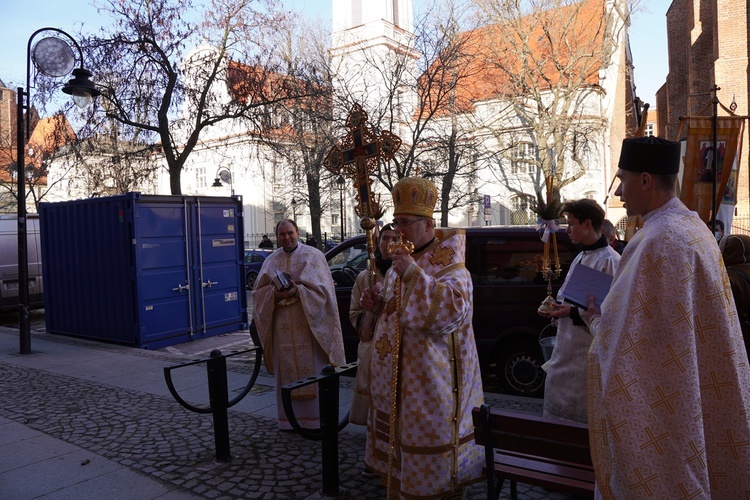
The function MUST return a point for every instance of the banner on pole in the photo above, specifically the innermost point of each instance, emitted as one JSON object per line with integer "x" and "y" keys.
{"x": 698, "y": 161}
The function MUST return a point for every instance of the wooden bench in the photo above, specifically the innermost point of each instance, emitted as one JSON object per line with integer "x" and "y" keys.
{"x": 534, "y": 450}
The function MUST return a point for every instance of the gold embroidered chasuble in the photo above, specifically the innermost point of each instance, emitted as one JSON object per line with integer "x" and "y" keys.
{"x": 439, "y": 375}
{"x": 302, "y": 334}
{"x": 361, "y": 396}
{"x": 669, "y": 383}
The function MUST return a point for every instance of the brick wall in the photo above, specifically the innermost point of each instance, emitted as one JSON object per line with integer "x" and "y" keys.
{"x": 7, "y": 117}
{"x": 708, "y": 45}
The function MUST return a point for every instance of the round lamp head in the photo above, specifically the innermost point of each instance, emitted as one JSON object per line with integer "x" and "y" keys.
{"x": 53, "y": 57}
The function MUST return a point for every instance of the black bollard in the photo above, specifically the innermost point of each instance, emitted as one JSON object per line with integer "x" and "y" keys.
{"x": 329, "y": 426}
{"x": 218, "y": 395}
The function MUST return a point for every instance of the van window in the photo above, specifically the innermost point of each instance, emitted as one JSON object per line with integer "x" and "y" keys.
{"x": 511, "y": 261}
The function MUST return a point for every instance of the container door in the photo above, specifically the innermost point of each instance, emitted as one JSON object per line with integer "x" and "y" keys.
{"x": 163, "y": 254}
{"x": 219, "y": 300}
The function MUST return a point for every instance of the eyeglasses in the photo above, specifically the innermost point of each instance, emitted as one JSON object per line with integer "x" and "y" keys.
{"x": 403, "y": 222}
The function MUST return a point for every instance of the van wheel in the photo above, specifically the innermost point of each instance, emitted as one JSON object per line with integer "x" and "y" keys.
{"x": 519, "y": 370}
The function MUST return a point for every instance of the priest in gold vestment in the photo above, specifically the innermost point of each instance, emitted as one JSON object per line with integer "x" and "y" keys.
{"x": 425, "y": 309}
{"x": 669, "y": 383}
{"x": 299, "y": 328}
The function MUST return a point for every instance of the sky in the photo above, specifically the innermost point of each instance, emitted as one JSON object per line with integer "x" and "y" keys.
{"x": 20, "y": 19}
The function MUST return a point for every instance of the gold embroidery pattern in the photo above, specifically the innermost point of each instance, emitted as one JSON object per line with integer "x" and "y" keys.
{"x": 654, "y": 266}
{"x": 442, "y": 256}
{"x": 675, "y": 358}
{"x": 383, "y": 347}
{"x": 643, "y": 305}
{"x": 665, "y": 400}
{"x": 683, "y": 316}
{"x": 701, "y": 330}
{"x": 716, "y": 386}
{"x": 642, "y": 482}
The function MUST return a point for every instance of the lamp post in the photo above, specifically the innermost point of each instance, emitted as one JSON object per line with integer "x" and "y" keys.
{"x": 53, "y": 57}
{"x": 223, "y": 174}
{"x": 340, "y": 182}
{"x": 294, "y": 210}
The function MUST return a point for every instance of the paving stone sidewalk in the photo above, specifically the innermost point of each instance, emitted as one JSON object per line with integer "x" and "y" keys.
{"x": 148, "y": 432}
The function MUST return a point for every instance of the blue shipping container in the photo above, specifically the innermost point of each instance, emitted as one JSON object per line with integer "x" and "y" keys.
{"x": 144, "y": 270}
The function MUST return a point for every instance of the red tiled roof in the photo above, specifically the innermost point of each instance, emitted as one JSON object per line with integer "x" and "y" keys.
{"x": 526, "y": 53}
{"x": 48, "y": 136}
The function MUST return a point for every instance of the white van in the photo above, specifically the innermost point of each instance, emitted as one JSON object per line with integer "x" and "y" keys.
{"x": 9, "y": 262}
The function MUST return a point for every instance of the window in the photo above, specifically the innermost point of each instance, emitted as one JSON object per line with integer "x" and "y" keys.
{"x": 511, "y": 260}
{"x": 523, "y": 158}
{"x": 622, "y": 226}
{"x": 335, "y": 219}
{"x": 200, "y": 178}
{"x": 522, "y": 212}
{"x": 649, "y": 130}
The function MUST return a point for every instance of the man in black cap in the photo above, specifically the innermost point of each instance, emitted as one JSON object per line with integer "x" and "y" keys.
{"x": 668, "y": 377}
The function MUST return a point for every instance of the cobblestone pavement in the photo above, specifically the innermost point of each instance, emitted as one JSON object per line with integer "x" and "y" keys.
{"x": 155, "y": 436}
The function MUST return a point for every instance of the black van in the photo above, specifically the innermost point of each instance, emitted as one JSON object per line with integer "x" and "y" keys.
{"x": 505, "y": 265}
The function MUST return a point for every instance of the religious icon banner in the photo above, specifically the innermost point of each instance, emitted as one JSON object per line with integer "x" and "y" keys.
{"x": 698, "y": 161}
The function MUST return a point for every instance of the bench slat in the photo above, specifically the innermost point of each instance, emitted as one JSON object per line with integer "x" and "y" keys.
{"x": 551, "y": 482}
{"x": 554, "y": 468}
{"x": 534, "y": 450}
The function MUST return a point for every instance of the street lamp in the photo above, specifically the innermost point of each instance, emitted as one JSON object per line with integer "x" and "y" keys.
{"x": 294, "y": 210}
{"x": 53, "y": 57}
{"x": 340, "y": 182}
{"x": 223, "y": 174}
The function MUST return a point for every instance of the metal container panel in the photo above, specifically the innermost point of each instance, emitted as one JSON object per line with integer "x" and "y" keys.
{"x": 128, "y": 268}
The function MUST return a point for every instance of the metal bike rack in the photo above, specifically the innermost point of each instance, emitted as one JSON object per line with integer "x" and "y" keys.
{"x": 218, "y": 394}
{"x": 327, "y": 433}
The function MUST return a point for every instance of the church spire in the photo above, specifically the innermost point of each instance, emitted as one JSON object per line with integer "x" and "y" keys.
{"x": 348, "y": 14}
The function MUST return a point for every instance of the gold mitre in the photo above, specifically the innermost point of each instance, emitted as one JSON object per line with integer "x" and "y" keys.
{"x": 414, "y": 196}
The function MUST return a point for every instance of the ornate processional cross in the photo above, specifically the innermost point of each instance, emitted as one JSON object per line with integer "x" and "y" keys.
{"x": 356, "y": 156}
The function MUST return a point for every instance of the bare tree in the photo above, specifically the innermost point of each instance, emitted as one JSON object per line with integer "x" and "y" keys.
{"x": 301, "y": 134}
{"x": 548, "y": 58}
{"x": 153, "y": 96}
{"x": 415, "y": 91}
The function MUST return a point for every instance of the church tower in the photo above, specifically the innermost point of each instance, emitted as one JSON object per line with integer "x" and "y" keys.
{"x": 373, "y": 57}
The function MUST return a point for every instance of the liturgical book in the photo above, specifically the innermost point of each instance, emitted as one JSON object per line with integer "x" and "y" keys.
{"x": 584, "y": 281}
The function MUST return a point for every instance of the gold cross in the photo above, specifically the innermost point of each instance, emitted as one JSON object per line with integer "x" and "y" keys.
{"x": 654, "y": 441}
{"x": 733, "y": 445}
{"x": 702, "y": 329}
{"x": 442, "y": 256}
{"x": 643, "y": 306}
{"x": 623, "y": 387}
{"x": 633, "y": 346}
{"x": 654, "y": 265}
{"x": 676, "y": 358}
{"x": 684, "y": 316}
{"x": 383, "y": 347}
{"x": 357, "y": 154}
{"x": 598, "y": 429}
{"x": 698, "y": 455}
{"x": 643, "y": 481}
{"x": 615, "y": 427}
{"x": 664, "y": 399}
{"x": 716, "y": 385}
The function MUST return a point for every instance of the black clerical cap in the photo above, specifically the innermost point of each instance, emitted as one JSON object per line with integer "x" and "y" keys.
{"x": 650, "y": 154}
